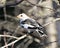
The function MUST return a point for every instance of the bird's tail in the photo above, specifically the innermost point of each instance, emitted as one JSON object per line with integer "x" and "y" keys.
{"x": 41, "y": 33}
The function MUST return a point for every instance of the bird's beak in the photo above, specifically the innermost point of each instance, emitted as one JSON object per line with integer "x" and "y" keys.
{"x": 18, "y": 16}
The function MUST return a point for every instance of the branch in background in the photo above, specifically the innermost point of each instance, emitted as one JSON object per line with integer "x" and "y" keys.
{"x": 8, "y": 36}
{"x": 14, "y": 33}
{"x": 5, "y": 15}
{"x": 16, "y": 2}
{"x": 41, "y": 6}
{"x": 51, "y": 22}
{"x": 14, "y": 41}
{"x": 5, "y": 39}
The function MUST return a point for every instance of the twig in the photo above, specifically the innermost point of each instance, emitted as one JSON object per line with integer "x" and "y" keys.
{"x": 14, "y": 33}
{"x": 5, "y": 15}
{"x": 5, "y": 39}
{"x": 41, "y": 6}
{"x": 51, "y": 22}
{"x": 14, "y": 41}
{"x": 12, "y": 46}
{"x": 8, "y": 36}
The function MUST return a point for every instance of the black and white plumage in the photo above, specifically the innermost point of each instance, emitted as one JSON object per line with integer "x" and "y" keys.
{"x": 31, "y": 26}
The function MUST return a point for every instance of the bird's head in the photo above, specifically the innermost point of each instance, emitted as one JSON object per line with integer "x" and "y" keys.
{"x": 22, "y": 16}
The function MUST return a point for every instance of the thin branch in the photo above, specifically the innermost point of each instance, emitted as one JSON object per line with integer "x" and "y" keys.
{"x": 15, "y": 41}
{"x": 8, "y": 36}
{"x": 14, "y": 3}
{"x": 51, "y": 22}
{"x": 41, "y": 6}
{"x": 16, "y": 29}
{"x": 14, "y": 33}
{"x": 5, "y": 15}
{"x": 5, "y": 39}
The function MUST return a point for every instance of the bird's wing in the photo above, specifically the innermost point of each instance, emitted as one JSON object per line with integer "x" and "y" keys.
{"x": 35, "y": 23}
{"x": 31, "y": 22}
{"x": 28, "y": 26}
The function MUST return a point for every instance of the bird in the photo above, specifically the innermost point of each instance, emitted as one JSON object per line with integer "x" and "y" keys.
{"x": 32, "y": 26}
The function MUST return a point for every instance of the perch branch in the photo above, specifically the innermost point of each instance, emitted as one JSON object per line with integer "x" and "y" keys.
{"x": 8, "y": 36}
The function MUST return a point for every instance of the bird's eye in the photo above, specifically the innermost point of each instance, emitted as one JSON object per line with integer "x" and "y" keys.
{"x": 21, "y": 15}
